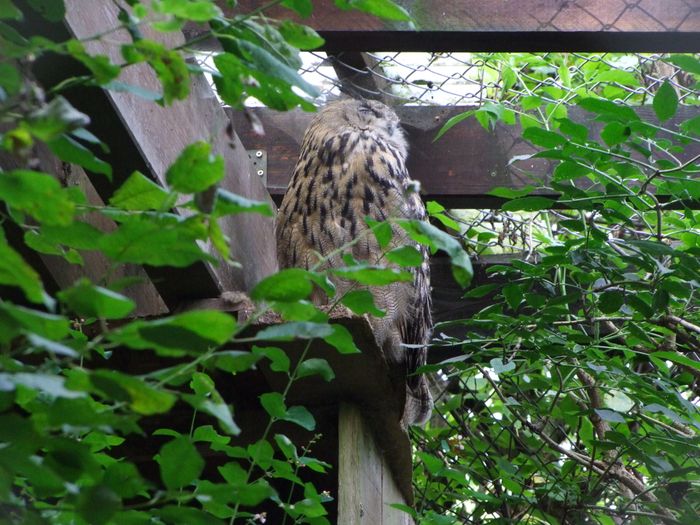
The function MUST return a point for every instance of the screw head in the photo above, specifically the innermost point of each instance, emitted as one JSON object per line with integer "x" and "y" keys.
{"x": 258, "y": 153}
{"x": 261, "y": 173}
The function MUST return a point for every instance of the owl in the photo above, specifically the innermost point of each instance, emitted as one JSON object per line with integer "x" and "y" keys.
{"x": 353, "y": 165}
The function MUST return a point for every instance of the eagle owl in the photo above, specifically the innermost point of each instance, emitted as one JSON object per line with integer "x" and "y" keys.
{"x": 353, "y": 165}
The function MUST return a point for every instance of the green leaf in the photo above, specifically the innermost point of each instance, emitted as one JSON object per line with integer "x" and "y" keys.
{"x": 290, "y": 331}
{"x": 291, "y": 284}
{"x": 141, "y": 397}
{"x": 37, "y": 194}
{"x": 609, "y": 415}
{"x": 687, "y": 63}
{"x": 56, "y": 118}
{"x": 544, "y": 138}
{"x": 452, "y": 122}
{"x": 181, "y": 515}
{"x": 499, "y": 367}
{"x": 180, "y": 463}
{"x": 341, "y": 339}
{"x": 611, "y": 301}
{"x": 301, "y": 37}
{"x": 303, "y": 7}
{"x": 47, "y": 325}
{"x": 513, "y": 294}
{"x": 372, "y": 275}
{"x": 139, "y": 193}
{"x": 69, "y": 150}
{"x": 10, "y": 79}
{"x": 286, "y": 446}
{"x": 362, "y": 302}
{"x": 665, "y": 101}
{"x": 279, "y": 361}
{"x": 691, "y": 126}
{"x": 215, "y": 407}
{"x": 195, "y": 169}
{"x": 195, "y": 10}
{"x": 573, "y": 129}
{"x": 615, "y": 133}
{"x": 608, "y": 110}
{"x": 405, "y": 256}
{"x": 228, "y": 203}
{"x": 8, "y": 11}
{"x": 268, "y": 64}
{"x": 100, "y": 66}
{"x": 89, "y": 300}
{"x": 51, "y": 10}
{"x": 189, "y": 333}
{"x": 427, "y": 234}
{"x": 51, "y": 385}
{"x": 381, "y": 8}
{"x": 301, "y": 416}
{"x": 14, "y": 271}
{"x": 50, "y": 346}
{"x": 511, "y": 193}
{"x": 97, "y": 504}
{"x": 382, "y": 231}
{"x": 169, "y": 66}
{"x": 677, "y": 358}
{"x": 315, "y": 366}
{"x": 273, "y": 403}
{"x": 528, "y": 204}
{"x": 162, "y": 241}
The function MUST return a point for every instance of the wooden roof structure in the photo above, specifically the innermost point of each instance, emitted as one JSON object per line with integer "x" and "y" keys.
{"x": 147, "y": 137}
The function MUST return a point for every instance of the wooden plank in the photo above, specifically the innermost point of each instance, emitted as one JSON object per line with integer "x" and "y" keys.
{"x": 507, "y": 25}
{"x": 160, "y": 133}
{"x": 458, "y": 170}
{"x": 96, "y": 266}
{"x": 360, "y": 75}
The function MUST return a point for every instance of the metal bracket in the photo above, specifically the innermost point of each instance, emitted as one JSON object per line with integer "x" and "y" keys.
{"x": 258, "y": 161}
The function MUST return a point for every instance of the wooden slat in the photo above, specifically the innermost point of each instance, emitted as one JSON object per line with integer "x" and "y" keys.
{"x": 159, "y": 133}
{"x": 60, "y": 273}
{"x": 507, "y": 25}
{"x": 360, "y": 75}
{"x": 458, "y": 170}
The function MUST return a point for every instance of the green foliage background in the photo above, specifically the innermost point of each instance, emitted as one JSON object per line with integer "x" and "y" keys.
{"x": 573, "y": 396}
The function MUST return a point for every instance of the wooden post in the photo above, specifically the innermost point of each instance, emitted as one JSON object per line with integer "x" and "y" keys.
{"x": 366, "y": 487}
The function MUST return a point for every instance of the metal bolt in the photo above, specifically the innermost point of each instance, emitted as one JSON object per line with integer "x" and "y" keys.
{"x": 258, "y": 154}
{"x": 261, "y": 173}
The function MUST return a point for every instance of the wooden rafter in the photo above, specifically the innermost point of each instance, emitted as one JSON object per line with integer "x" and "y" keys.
{"x": 458, "y": 170}
{"x": 507, "y": 25}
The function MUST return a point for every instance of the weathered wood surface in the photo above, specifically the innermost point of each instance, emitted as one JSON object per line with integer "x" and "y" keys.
{"x": 366, "y": 488}
{"x": 507, "y": 25}
{"x": 160, "y": 133}
{"x": 96, "y": 266}
{"x": 458, "y": 170}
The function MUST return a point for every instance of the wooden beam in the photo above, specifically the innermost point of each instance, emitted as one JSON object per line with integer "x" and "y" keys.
{"x": 361, "y": 75}
{"x": 458, "y": 170}
{"x": 62, "y": 274}
{"x": 146, "y": 136}
{"x": 366, "y": 488}
{"x": 507, "y": 25}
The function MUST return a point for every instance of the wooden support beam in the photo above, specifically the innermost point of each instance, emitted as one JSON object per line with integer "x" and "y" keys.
{"x": 361, "y": 75}
{"x": 458, "y": 170}
{"x": 366, "y": 488}
{"x": 507, "y": 25}
{"x": 148, "y": 137}
{"x": 60, "y": 273}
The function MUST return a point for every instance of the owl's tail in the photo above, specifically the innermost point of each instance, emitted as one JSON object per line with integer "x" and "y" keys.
{"x": 419, "y": 404}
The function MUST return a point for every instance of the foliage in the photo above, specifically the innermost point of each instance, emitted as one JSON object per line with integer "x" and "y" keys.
{"x": 573, "y": 396}
{"x": 72, "y": 414}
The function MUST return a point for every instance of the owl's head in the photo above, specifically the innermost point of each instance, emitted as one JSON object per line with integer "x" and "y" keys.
{"x": 367, "y": 115}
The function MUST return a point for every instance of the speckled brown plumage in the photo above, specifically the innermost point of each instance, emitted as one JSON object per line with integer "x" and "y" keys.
{"x": 353, "y": 165}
